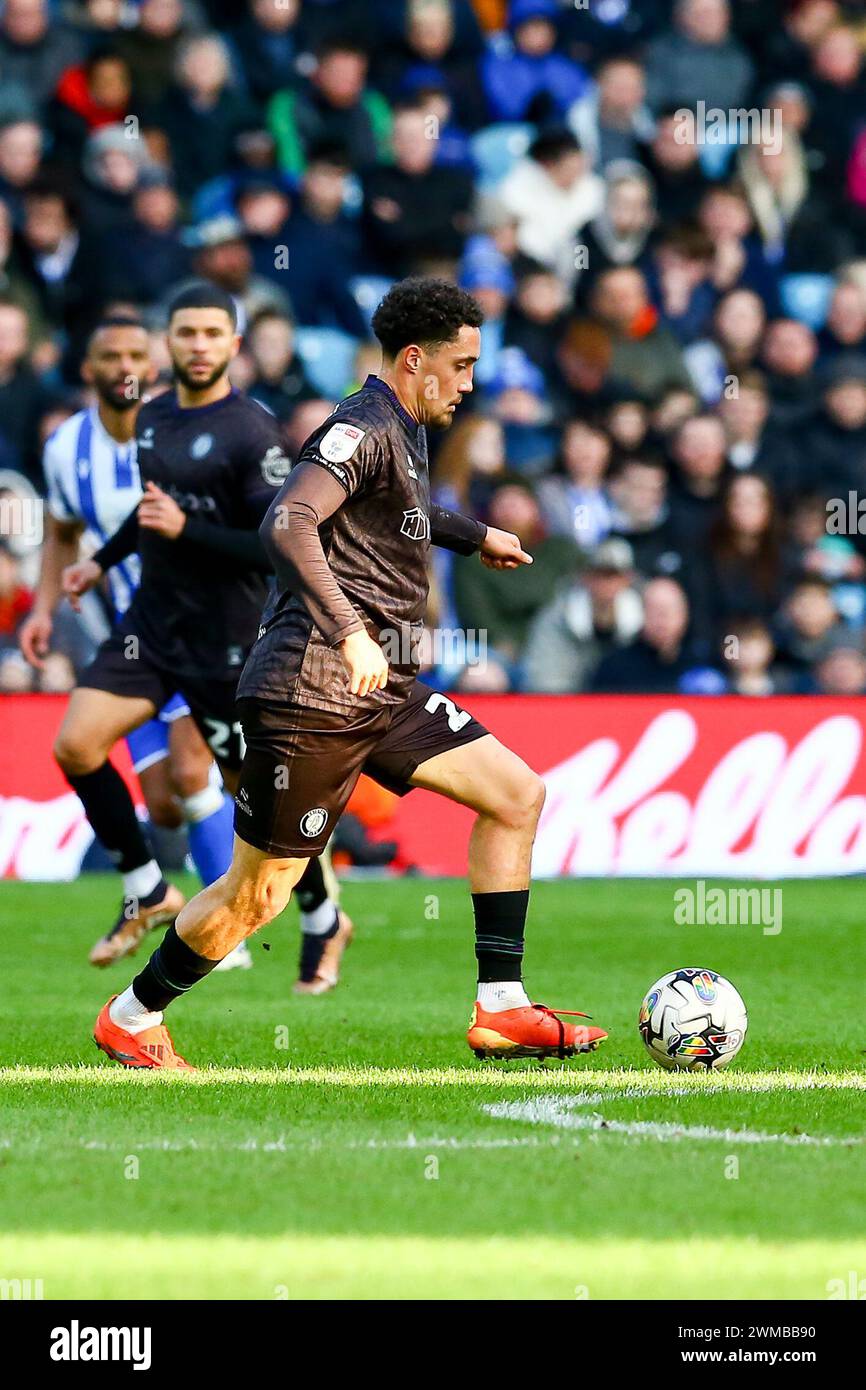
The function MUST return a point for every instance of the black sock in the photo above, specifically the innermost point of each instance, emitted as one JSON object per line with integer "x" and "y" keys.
{"x": 310, "y": 890}
{"x": 110, "y": 810}
{"x": 172, "y": 970}
{"x": 499, "y": 922}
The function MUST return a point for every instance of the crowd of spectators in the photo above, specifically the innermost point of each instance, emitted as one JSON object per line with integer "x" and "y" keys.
{"x": 672, "y": 386}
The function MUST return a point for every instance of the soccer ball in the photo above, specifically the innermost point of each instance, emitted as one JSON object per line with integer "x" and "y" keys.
{"x": 692, "y": 1019}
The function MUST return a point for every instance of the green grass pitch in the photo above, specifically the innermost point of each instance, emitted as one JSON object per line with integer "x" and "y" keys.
{"x": 351, "y": 1146}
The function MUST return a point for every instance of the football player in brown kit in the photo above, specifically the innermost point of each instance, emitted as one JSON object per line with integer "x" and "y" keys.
{"x": 348, "y": 536}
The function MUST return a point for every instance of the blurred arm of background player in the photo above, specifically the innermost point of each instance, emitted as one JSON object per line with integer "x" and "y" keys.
{"x": 59, "y": 551}
{"x": 78, "y": 578}
{"x": 160, "y": 513}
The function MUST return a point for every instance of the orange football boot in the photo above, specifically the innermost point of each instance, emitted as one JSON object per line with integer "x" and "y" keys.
{"x": 152, "y": 1047}
{"x": 531, "y": 1031}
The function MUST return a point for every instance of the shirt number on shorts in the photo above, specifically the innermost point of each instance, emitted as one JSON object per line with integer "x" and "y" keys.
{"x": 457, "y": 718}
{"x": 219, "y": 739}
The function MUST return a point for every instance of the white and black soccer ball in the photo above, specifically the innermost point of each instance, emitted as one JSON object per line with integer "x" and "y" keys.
{"x": 691, "y": 1020}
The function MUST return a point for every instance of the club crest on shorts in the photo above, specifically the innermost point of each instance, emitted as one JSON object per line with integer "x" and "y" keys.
{"x": 340, "y": 442}
{"x": 313, "y": 821}
{"x": 416, "y": 525}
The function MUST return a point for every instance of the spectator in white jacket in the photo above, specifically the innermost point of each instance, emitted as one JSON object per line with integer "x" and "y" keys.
{"x": 552, "y": 193}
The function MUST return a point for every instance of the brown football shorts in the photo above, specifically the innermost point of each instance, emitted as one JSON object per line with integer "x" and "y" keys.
{"x": 301, "y": 764}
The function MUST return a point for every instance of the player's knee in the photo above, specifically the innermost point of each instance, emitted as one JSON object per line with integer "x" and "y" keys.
{"x": 165, "y": 812}
{"x": 255, "y": 904}
{"x": 190, "y": 775}
{"x": 266, "y": 903}
{"x": 75, "y": 756}
{"x": 525, "y": 801}
{"x": 532, "y": 797}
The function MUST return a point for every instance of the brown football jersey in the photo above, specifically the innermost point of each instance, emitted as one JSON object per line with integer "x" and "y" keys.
{"x": 350, "y": 557}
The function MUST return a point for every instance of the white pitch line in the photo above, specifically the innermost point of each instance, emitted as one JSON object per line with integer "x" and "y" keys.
{"x": 615, "y": 1082}
{"x": 558, "y": 1111}
{"x": 281, "y": 1145}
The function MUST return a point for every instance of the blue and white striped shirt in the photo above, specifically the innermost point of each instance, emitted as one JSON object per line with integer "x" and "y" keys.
{"x": 93, "y": 479}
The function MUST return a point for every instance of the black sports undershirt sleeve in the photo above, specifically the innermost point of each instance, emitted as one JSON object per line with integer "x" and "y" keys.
{"x": 290, "y": 535}
{"x": 454, "y": 531}
{"x": 229, "y": 541}
{"x": 124, "y": 542}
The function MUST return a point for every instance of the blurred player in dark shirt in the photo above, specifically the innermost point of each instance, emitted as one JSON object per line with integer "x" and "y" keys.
{"x": 211, "y": 461}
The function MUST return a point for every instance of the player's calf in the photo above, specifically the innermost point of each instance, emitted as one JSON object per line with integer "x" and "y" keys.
{"x": 247, "y": 897}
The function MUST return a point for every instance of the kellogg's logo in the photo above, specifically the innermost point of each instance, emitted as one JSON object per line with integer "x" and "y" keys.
{"x": 690, "y": 787}
{"x": 684, "y": 799}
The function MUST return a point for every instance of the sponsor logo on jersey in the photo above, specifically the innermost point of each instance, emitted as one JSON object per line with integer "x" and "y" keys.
{"x": 201, "y": 446}
{"x": 416, "y": 525}
{"x": 340, "y": 442}
{"x": 312, "y": 822}
{"x": 275, "y": 466}
{"x": 242, "y": 801}
{"x": 191, "y": 502}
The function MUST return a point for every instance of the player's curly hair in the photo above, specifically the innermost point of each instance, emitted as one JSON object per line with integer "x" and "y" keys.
{"x": 424, "y": 311}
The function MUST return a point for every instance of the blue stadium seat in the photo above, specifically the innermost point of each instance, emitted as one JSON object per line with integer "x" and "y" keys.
{"x": 807, "y": 297}
{"x": 497, "y": 149}
{"x": 367, "y": 290}
{"x": 328, "y": 356}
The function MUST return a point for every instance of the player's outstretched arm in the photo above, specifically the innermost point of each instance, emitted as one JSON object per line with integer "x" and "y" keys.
{"x": 453, "y": 531}
{"x": 501, "y": 550}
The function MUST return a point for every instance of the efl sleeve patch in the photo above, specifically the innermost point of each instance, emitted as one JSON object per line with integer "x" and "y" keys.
{"x": 340, "y": 442}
